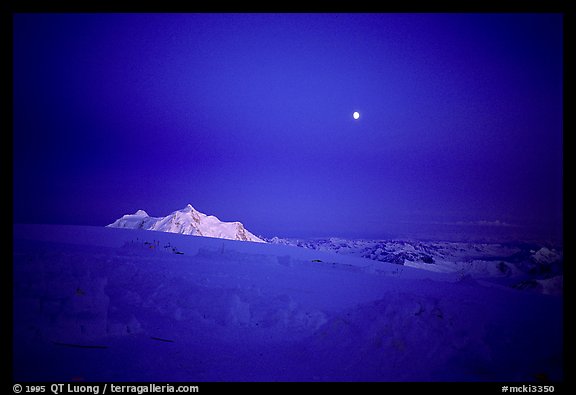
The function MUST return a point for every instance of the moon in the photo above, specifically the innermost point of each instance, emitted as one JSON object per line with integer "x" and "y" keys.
{"x": 356, "y": 115}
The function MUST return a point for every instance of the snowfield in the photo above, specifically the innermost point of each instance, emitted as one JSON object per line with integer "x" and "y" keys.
{"x": 112, "y": 304}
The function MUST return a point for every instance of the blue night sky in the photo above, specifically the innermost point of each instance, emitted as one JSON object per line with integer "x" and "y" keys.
{"x": 249, "y": 117}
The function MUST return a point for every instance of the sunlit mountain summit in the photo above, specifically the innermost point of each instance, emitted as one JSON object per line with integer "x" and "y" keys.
{"x": 187, "y": 221}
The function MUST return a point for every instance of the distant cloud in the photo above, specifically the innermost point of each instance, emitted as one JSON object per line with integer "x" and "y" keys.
{"x": 496, "y": 223}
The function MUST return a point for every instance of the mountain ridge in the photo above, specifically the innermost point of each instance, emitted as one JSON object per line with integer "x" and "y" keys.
{"x": 187, "y": 221}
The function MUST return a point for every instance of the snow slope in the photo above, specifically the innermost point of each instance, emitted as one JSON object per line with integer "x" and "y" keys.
{"x": 187, "y": 221}
{"x": 108, "y": 304}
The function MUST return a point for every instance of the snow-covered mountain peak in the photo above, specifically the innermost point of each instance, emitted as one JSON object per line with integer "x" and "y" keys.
{"x": 141, "y": 213}
{"x": 189, "y": 209}
{"x": 188, "y": 221}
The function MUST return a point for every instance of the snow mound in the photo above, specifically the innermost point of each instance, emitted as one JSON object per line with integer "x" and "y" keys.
{"x": 546, "y": 256}
{"x": 452, "y": 341}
